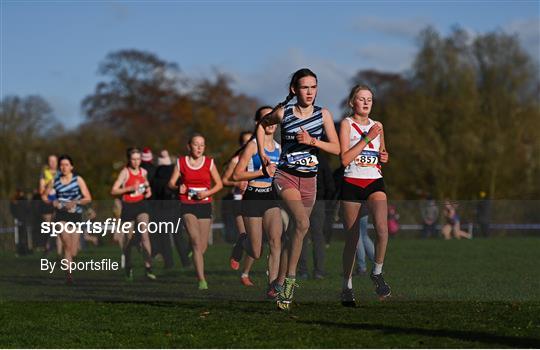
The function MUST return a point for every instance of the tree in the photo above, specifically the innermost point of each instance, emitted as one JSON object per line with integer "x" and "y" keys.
{"x": 25, "y": 123}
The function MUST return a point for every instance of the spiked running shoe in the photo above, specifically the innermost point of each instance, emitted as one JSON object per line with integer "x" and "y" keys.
{"x": 246, "y": 281}
{"x": 347, "y": 298}
{"x": 237, "y": 252}
{"x": 381, "y": 288}
{"x": 273, "y": 290}
{"x": 149, "y": 274}
{"x": 203, "y": 285}
{"x": 285, "y": 296}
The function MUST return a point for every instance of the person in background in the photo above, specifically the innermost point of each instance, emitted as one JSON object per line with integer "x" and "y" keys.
{"x": 325, "y": 192}
{"x": 430, "y": 216}
{"x": 18, "y": 207}
{"x": 452, "y": 225}
{"x": 483, "y": 214}
{"x": 237, "y": 190}
{"x": 46, "y": 177}
{"x": 365, "y": 244}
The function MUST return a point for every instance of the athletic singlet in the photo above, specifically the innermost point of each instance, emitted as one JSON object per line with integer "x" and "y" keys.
{"x": 236, "y": 191}
{"x": 366, "y": 165}
{"x": 255, "y": 162}
{"x": 195, "y": 179}
{"x": 135, "y": 180}
{"x": 69, "y": 192}
{"x": 296, "y": 158}
{"x": 48, "y": 176}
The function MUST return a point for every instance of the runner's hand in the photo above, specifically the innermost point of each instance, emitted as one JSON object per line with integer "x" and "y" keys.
{"x": 303, "y": 137}
{"x": 375, "y": 131}
{"x": 384, "y": 156}
{"x": 271, "y": 169}
{"x": 182, "y": 189}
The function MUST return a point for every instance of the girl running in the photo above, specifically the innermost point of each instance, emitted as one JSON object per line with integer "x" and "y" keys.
{"x": 45, "y": 179}
{"x": 196, "y": 173}
{"x": 302, "y": 128}
{"x": 238, "y": 189}
{"x": 362, "y": 151}
{"x": 260, "y": 207}
{"x": 132, "y": 184}
{"x": 71, "y": 194}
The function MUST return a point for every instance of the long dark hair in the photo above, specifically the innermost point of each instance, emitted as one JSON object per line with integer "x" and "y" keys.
{"x": 129, "y": 152}
{"x": 295, "y": 78}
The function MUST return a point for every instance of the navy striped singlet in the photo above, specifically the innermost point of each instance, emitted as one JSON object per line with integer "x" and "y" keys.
{"x": 296, "y": 158}
{"x": 69, "y": 192}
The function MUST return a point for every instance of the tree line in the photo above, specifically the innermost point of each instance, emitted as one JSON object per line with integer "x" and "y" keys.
{"x": 464, "y": 117}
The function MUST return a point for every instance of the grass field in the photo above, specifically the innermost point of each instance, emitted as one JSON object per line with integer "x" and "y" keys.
{"x": 478, "y": 293}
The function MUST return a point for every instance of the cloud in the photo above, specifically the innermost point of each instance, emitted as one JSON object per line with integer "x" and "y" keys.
{"x": 387, "y": 57}
{"x": 269, "y": 82}
{"x": 401, "y": 28}
{"x": 528, "y": 31}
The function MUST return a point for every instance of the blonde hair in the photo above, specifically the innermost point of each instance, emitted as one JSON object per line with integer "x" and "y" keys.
{"x": 354, "y": 91}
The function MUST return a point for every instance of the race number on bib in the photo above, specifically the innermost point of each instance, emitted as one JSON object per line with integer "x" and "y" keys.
{"x": 193, "y": 191}
{"x": 367, "y": 158}
{"x": 302, "y": 158}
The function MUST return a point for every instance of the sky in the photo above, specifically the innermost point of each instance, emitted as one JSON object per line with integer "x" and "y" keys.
{"x": 53, "y": 48}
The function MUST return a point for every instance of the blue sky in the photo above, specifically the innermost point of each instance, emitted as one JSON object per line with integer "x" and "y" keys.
{"x": 53, "y": 48}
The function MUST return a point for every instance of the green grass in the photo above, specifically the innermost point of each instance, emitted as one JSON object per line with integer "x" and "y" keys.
{"x": 478, "y": 294}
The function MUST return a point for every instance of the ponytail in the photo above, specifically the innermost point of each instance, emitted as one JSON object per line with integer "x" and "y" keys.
{"x": 299, "y": 74}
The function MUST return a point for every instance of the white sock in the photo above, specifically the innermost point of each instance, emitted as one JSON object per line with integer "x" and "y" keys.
{"x": 347, "y": 283}
{"x": 377, "y": 269}
{"x": 244, "y": 275}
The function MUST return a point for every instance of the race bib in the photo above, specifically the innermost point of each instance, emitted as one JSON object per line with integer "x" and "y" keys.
{"x": 367, "y": 158}
{"x": 141, "y": 188}
{"x": 302, "y": 158}
{"x": 192, "y": 192}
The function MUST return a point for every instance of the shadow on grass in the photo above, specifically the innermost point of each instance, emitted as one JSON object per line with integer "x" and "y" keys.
{"x": 487, "y": 338}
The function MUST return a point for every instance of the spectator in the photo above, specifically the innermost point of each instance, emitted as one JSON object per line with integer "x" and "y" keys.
{"x": 365, "y": 244}
{"x": 393, "y": 220}
{"x": 325, "y": 191}
{"x": 167, "y": 209}
{"x": 483, "y": 214}
{"x": 18, "y": 207}
{"x": 452, "y": 225}
{"x": 430, "y": 216}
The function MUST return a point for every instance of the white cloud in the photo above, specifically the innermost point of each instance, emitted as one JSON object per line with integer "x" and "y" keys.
{"x": 401, "y": 28}
{"x": 528, "y": 31}
{"x": 269, "y": 82}
{"x": 387, "y": 57}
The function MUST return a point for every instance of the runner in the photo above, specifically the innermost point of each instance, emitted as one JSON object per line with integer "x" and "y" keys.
{"x": 260, "y": 207}
{"x": 238, "y": 189}
{"x": 133, "y": 186}
{"x": 196, "y": 172}
{"x": 71, "y": 194}
{"x": 47, "y": 177}
{"x": 302, "y": 127}
{"x": 362, "y": 151}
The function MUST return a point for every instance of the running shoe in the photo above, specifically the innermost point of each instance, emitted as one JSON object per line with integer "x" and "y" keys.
{"x": 273, "y": 290}
{"x": 203, "y": 285}
{"x": 129, "y": 274}
{"x": 347, "y": 298}
{"x": 246, "y": 281}
{"x": 149, "y": 274}
{"x": 285, "y": 296}
{"x": 381, "y": 288}
{"x": 237, "y": 252}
